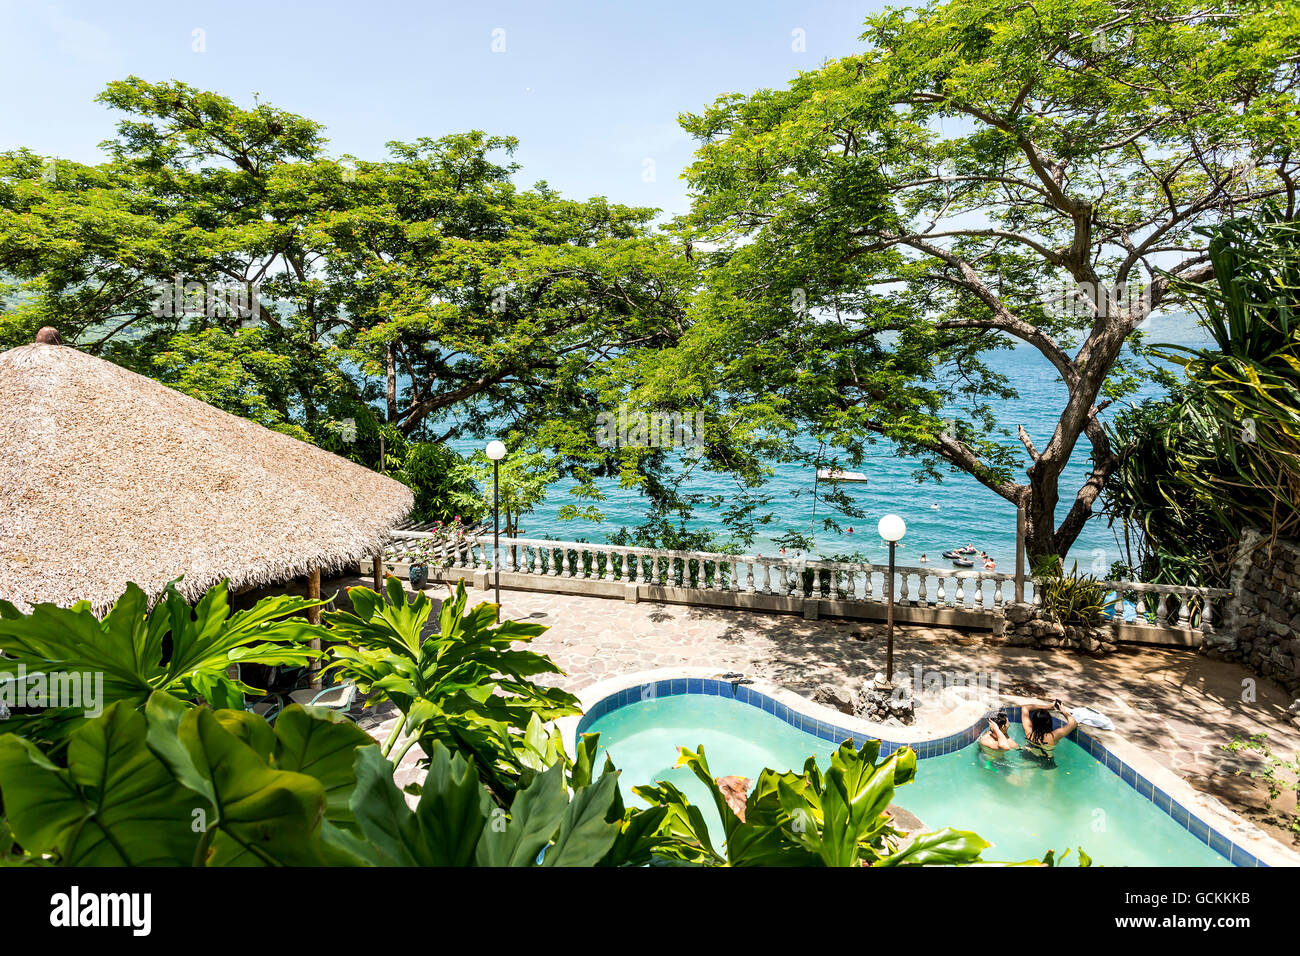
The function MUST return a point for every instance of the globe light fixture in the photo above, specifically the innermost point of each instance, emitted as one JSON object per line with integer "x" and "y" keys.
{"x": 891, "y": 528}
{"x": 496, "y": 450}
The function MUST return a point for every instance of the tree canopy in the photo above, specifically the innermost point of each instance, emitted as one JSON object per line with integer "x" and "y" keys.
{"x": 986, "y": 173}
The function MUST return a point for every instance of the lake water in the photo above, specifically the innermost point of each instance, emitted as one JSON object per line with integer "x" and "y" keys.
{"x": 966, "y": 512}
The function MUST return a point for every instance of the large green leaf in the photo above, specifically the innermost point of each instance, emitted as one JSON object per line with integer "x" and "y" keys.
{"x": 115, "y": 805}
{"x": 135, "y": 651}
{"x": 321, "y": 743}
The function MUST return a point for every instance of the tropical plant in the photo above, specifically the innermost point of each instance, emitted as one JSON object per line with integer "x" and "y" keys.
{"x": 181, "y": 785}
{"x": 1172, "y": 532}
{"x": 836, "y": 818}
{"x": 1280, "y": 774}
{"x": 465, "y": 686}
{"x": 458, "y": 823}
{"x": 521, "y": 483}
{"x": 176, "y": 785}
{"x": 135, "y": 650}
{"x": 1249, "y": 381}
{"x": 1071, "y": 598}
{"x": 446, "y": 541}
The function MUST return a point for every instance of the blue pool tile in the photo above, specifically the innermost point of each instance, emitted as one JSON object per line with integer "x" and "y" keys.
{"x": 1161, "y": 800}
{"x": 1220, "y": 844}
{"x": 1198, "y": 828}
{"x": 694, "y": 685}
{"x": 1144, "y": 787}
{"x": 663, "y": 688}
{"x": 678, "y": 685}
{"x": 1179, "y": 813}
{"x": 1240, "y": 857}
{"x": 727, "y": 689}
{"x": 1128, "y": 775}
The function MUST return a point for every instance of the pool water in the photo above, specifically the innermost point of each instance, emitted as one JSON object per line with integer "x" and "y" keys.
{"x": 1016, "y": 804}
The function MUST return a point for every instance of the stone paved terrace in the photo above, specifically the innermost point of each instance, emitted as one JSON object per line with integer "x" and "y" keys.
{"x": 1176, "y": 704}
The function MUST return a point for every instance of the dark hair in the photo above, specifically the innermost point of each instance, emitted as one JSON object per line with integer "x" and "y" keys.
{"x": 1040, "y": 725}
{"x": 1000, "y": 719}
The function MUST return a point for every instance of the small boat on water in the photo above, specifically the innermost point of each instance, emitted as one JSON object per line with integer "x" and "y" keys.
{"x": 835, "y": 474}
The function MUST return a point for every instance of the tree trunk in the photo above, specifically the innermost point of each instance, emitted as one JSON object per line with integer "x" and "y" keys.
{"x": 390, "y": 371}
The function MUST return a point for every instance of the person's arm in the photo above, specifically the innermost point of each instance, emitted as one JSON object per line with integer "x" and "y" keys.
{"x": 1061, "y": 733}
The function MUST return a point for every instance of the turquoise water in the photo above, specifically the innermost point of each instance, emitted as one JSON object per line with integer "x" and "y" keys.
{"x": 1019, "y": 807}
{"x": 967, "y": 512}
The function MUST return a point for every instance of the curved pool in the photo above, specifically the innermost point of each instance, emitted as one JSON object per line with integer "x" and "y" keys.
{"x": 1014, "y": 803}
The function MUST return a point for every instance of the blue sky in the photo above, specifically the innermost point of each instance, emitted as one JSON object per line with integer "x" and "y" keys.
{"x": 591, "y": 89}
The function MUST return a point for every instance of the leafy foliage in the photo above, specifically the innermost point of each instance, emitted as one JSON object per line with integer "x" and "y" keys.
{"x": 180, "y": 785}
{"x": 134, "y": 650}
{"x": 1071, "y": 598}
{"x": 987, "y": 173}
{"x": 465, "y": 685}
{"x": 837, "y": 818}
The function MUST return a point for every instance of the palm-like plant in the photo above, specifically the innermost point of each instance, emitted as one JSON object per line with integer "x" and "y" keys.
{"x": 836, "y": 818}
{"x": 1250, "y": 380}
{"x": 134, "y": 650}
{"x": 465, "y": 685}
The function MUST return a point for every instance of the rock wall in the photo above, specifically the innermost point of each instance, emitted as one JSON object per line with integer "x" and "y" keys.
{"x": 1024, "y": 626}
{"x": 1261, "y": 622}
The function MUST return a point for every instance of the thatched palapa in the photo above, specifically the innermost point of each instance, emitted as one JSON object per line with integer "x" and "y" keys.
{"x": 108, "y": 477}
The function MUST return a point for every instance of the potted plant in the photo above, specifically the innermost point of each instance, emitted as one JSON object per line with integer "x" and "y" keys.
{"x": 439, "y": 550}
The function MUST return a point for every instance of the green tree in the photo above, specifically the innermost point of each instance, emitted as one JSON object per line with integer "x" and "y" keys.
{"x": 221, "y": 249}
{"x": 987, "y": 172}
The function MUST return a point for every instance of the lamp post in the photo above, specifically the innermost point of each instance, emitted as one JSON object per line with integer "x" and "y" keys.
{"x": 891, "y": 528}
{"x": 496, "y": 450}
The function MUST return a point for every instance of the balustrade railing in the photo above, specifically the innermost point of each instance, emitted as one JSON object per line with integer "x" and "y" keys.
{"x": 1153, "y": 605}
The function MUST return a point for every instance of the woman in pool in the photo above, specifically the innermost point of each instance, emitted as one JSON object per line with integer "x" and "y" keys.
{"x": 1040, "y": 738}
{"x": 995, "y": 742}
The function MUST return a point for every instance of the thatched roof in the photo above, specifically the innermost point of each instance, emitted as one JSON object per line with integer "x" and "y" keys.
{"x": 108, "y": 477}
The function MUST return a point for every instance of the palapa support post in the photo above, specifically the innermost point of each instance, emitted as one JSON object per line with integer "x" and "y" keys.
{"x": 379, "y": 573}
{"x": 313, "y": 617}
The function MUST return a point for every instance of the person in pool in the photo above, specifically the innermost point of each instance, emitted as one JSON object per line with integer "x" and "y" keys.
{"x": 1040, "y": 737}
{"x": 994, "y": 742}
{"x": 924, "y": 559}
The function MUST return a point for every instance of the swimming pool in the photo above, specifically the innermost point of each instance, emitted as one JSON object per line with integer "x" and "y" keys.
{"x": 1019, "y": 806}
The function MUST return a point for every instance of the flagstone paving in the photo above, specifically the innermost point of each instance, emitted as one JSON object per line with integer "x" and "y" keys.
{"x": 1177, "y": 705}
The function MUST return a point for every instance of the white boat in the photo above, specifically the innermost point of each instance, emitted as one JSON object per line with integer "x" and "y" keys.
{"x": 835, "y": 474}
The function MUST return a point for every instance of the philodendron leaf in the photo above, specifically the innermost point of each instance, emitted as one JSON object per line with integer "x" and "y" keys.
{"x": 321, "y": 743}
{"x": 453, "y": 808}
{"x": 941, "y": 848}
{"x": 381, "y": 812}
{"x": 261, "y": 816}
{"x": 117, "y": 804}
{"x": 535, "y": 815}
{"x": 585, "y": 832}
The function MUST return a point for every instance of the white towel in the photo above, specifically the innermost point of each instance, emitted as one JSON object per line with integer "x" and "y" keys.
{"x": 1090, "y": 718}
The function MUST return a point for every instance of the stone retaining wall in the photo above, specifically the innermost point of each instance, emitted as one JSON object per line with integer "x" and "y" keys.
{"x": 1024, "y": 626}
{"x": 1261, "y": 626}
